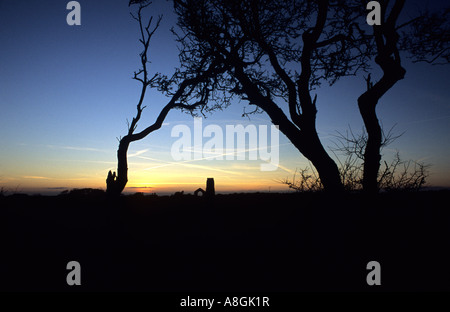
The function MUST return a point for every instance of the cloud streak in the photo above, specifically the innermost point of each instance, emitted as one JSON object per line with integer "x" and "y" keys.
{"x": 187, "y": 163}
{"x": 37, "y": 178}
{"x": 78, "y": 148}
{"x": 139, "y": 152}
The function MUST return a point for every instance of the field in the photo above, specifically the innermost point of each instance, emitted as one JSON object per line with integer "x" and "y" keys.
{"x": 239, "y": 242}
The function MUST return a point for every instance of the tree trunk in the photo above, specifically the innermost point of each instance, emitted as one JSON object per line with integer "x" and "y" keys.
{"x": 311, "y": 147}
{"x": 367, "y": 102}
{"x": 308, "y": 143}
{"x": 116, "y": 184}
{"x": 372, "y": 156}
{"x": 328, "y": 171}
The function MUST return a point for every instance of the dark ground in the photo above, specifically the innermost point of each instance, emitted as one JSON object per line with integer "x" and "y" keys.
{"x": 240, "y": 242}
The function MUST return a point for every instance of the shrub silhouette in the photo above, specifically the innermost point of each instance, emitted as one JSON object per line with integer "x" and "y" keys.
{"x": 396, "y": 175}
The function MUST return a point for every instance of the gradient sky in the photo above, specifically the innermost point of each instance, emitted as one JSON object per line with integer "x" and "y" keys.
{"x": 66, "y": 92}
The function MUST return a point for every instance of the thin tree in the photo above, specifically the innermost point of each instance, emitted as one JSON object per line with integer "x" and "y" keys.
{"x": 426, "y": 38}
{"x": 181, "y": 97}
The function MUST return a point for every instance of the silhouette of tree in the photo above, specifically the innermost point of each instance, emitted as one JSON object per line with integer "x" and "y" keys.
{"x": 181, "y": 97}
{"x": 277, "y": 53}
{"x": 426, "y": 38}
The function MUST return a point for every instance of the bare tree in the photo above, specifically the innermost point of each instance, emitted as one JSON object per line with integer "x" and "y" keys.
{"x": 181, "y": 97}
{"x": 277, "y": 53}
{"x": 426, "y": 38}
{"x": 274, "y": 53}
{"x": 400, "y": 175}
{"x": 304, "y": 180}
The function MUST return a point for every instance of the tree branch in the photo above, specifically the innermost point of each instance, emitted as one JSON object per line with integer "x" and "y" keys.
{"x": 290, "y": 85}
{"x": 310, "y": 38}
{"x": 145, "y": 41}
{"x": 292, "y": 94}
{"x": 339, "y": 37}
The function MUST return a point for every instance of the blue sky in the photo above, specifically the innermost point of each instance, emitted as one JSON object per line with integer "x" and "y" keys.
{"x": 66, "y": 92}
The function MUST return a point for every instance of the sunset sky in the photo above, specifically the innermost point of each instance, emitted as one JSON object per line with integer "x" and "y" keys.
{"x": 66, "y": 93}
